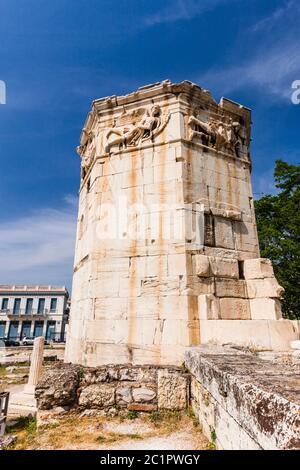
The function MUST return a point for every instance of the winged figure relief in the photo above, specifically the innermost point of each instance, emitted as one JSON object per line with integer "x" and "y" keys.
{"x": 131, "y": 129}
{"x": 228, "y": 136}
{"x": 86, "y": 151}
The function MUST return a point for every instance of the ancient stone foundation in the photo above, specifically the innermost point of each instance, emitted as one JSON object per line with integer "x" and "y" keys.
{"x": 246, "y": 401}
{"x": 242, "y": 400}
{"x": 113, "y": 389}
{"x": 167, "y": 252}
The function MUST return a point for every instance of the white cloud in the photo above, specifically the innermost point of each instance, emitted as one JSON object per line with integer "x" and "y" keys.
{"x": 277, "y": 16}
{"x": 272, "y": 71}
{"x": 39, "y": 247}
{"x": 274, "y": 63}
{"x": 182, "y": 10}
{"x": 72, "y": 200}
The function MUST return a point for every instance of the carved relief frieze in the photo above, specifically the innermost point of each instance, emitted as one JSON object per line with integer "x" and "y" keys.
{"x": 134, "y": 128}
{"x": 224, "y": 135}
{"x": 86, "y": 150}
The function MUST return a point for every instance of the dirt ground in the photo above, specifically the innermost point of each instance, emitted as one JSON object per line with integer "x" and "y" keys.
{"x": 154, "y": 431}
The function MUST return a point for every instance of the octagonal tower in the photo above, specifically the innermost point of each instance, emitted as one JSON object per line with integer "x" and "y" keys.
{"x": 167, "y": 252}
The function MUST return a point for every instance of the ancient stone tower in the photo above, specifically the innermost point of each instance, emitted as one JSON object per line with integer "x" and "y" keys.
{"x": 167, "y": 253}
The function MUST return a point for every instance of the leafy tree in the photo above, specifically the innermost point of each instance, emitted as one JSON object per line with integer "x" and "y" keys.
{"x": 278, "y": 224}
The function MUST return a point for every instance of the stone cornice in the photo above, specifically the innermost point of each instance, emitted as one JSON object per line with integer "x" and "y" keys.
{"x": 188, "y": 92}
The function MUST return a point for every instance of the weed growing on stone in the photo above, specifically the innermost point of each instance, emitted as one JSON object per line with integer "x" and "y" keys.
{"x": 184, "y": 368}
{"x": 213, "y": 434}
{"x": 210, "y": 446}
{"x": 155, "y": 417}
{"x": 190, "y": 413}
{"x": 132, "y": 414}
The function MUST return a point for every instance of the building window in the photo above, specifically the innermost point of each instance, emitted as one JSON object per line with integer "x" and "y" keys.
{"x": 38, "y": 329}
{"x": 26, "y": 329}
{"x": 53, "y": 305}
{"x": 13, "y": 330}
{"x": 50, "y": 334}
{"x": 41, "y": 306}
{"x": 2, "y": 329}
{"x": 29, "y": 303}
{"x": 17, "y": 307}
{"x": 4, "y": 305}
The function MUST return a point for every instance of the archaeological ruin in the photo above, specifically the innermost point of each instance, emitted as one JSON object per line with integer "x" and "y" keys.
{"x": 172, "y": 307}
{"x": 167, "y": 252}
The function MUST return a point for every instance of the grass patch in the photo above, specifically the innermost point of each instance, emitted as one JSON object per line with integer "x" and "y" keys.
{"x": 213, "y": 434}
{"x": 133, "y": 436}
{"x": 210, "y": 446}
{"x": 168, "y": 421}
{"x": 23, "y": 423}
{"x": 49, "y": 426}
{"x": 75, "y": 432}
{"x": 132, "y": 414}
{"x": 155, "y": 417}
{"x": 111, "y": 437}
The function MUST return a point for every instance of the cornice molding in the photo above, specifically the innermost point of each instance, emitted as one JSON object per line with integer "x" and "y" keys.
{"x": 188, "y": 92}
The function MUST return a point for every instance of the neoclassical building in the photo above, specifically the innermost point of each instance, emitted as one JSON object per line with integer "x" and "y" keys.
{"x": 33, "y": 310}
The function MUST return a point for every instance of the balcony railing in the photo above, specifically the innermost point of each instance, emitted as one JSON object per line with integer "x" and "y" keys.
{"x": 27, "y": 313}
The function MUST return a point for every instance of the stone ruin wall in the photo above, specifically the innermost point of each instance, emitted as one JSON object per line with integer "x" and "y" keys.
{"x": 144, "y": 300}
{"x": 242, "y": 400}
{"x": 112, "y": 390}
{"x": 245, "y": 401}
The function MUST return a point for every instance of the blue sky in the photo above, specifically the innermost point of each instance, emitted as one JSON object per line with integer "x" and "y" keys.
{"x": 57, "y": 56}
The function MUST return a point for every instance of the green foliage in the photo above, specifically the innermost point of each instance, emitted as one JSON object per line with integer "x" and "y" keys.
{"x": 213, "y": 434}
{"x": 278, "y": 224}
{"x": 166, "y": 417}
{"x": 132, "y": 414}
{"x": 155, "y": 417}
{"x": 27, "y": 423}
{"x": 211, "y": 446}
